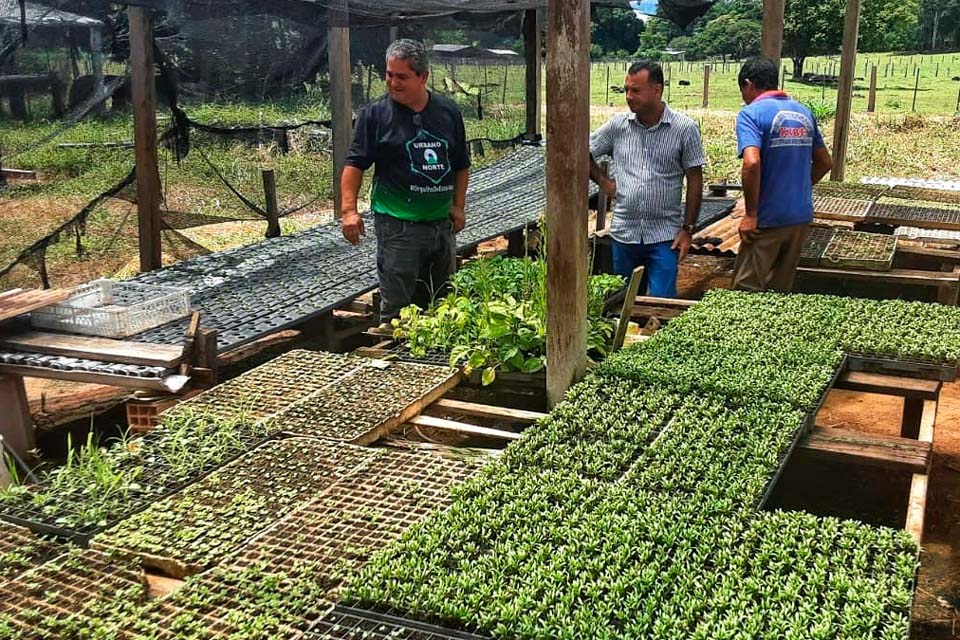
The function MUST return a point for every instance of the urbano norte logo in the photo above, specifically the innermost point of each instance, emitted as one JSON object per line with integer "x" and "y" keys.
{"x": 429, "y": 156}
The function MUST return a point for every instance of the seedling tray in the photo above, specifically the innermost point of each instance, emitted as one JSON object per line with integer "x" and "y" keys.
{"x": 907, "y": 368}
{"x": 368, "y": 403}
{"x": 859, "y": 250}
{"x": 213, "y": 516}
{"x": 359, "y": 514}
{"x": 897, "y": 212}
{"x": 21, "y": 550}
{"x": 841, "y": 208}
{"x": 348, "y": 623}
{"x": 924, "y": 193}
{"x": 817, "y": 241}
{"x": 850, "y": 190}
{"x": 72, "y": 586}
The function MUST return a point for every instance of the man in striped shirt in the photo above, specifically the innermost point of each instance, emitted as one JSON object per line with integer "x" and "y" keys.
{"x": 653, "y": 148}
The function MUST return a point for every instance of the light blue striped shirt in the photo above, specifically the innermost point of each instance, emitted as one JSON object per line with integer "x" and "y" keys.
{"x": 648, "y": 165}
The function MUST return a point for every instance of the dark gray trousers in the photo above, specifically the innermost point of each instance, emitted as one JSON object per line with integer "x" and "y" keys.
{"x": 414, "y": 262}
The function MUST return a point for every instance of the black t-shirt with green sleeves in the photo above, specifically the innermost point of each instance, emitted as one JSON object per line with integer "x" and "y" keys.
{"x": 415, "y": 156}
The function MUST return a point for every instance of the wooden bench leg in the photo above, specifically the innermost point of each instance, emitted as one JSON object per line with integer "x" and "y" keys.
{"x": 912, "y": 414}
{"x": 16, "y": 425}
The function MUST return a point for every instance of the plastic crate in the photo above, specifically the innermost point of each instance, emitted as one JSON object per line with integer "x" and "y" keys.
{"x": 114, "y": 309}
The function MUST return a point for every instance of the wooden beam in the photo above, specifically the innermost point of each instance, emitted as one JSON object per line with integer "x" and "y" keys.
{"x": 460, "y": 427}
{"x": 531, "y": 48}
{"x": 489, "y": 411}
{"x": 771, "y": 33}
{"x": 887, "y": 452}
{"x": 872, "y": 98}
{"x": 848, "y": 70}
{"x": 626, "y": 312}
{"x": 706, "y": 86}
{"x": 338, "y": 52}
{"x": 142, "y": 353}
{"x": 917, "y": 507}
{"x": 270, "y": 198}
{"x": 568, "y": 129}
{"x": 170, "y": 384}
{"x": 16, "y": 425}
{"x": 252, "y": 348}
{"x": 143, "y": 90}
{"x": 650, "y": 311}
{"x": 889, "y": 385}
{"x": 893, "y": 276}
{"x": 665, "y": 302}
{"x": 928, "y": 419}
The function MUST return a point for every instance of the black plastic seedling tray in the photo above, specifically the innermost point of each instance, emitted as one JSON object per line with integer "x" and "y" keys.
{"x": 348, "y": 623}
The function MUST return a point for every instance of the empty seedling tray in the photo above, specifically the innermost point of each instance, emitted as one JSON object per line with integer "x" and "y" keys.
{"x": 860, "y": 250}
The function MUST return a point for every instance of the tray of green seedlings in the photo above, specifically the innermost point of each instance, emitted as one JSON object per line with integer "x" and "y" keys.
{"x": 348, "y": 623}
{"x": 361, "y": 513}
{"x": 99, "y": 486}
{"x": 195, "y": 528}
{"x": 20, "y": 550}
{"x": 850, "y": 190}
{"x": 860, "y": 250}
{"x": 369, "y": 403}
{"x": 926, "y": 194}
{"x": 266, "y": 390}
{"x": 834, "y": 208}
{"x": 916, "y": 213}
{"x": 64, "y": 597}
{"x": 538, "y": 555}
{"x": 817, "y": 241}
{"x": 249, "y": 604}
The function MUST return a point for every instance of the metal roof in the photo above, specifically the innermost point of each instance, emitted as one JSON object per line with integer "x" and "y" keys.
{"x": 43, "y": 16}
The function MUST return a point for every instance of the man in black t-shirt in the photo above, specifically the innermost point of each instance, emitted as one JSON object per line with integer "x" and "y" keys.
{"x": 417, "y": 144}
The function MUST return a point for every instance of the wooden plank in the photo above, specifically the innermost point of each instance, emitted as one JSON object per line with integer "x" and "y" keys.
{"x": 887, "y": 452}
{"x": 893, "y": 276}
{"x": 872, "y": 97}
{"x": 151, "y": 355}
{"x": 928, "y": 419}
{"x": 666, "y": 302}
{"x": 143, "y": 90}
{"x": 410, "y": 411}
{"x": 848, "y": 62}
{"x": 489, "y": 411}
{"x": 663, "y": 313}
{"x": 568, "y": 129}
{"x": 170, "y": 384}
{"x": 889, "y": 385}
{"x": 916, "y": 507}
{"x": 531, "y": 49}
{"x": 460, "y": 427}
{"x": 252, "y": 348}
{"x": 626, "y": 312}
{"x": 270, "y": 197}
{"x": 17, "y": 301}
{"x": 16, "y": 424}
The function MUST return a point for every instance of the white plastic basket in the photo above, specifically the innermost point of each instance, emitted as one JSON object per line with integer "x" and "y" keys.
{"x": 114, "y": 309}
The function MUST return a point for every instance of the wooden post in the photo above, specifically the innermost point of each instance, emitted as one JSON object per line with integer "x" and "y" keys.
{"x": 143, "y": 91}
{"x": 603, "y": 201}
{"x": 606, "y": 99}
{"x": 531, "y": 48}
{"x": 872, "y": 99}
{"x": 503, "y": 97}
{"x": 96, "y": 61}
{"x": 270, "y": 197}
{"x": 568, "y": 129}
{"x": 916, "y": 88}
{"x": 848, "y": 69}
{"x": 706, "y": 86}
{"x": 339, "y": 64}
{"x": 771, "y": 34}
{"x": 16, "y": 425}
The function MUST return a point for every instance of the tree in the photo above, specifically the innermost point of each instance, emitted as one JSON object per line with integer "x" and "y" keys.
{"x": 889, "y": 25}
{"x": 614, "y": 31}
{"x": 729, "y": 34}
{"x": 811, "y": 28}
{"x": 655, "y": 36}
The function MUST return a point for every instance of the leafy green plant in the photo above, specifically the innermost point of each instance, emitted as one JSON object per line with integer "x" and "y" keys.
{"x": 496, "y": 317}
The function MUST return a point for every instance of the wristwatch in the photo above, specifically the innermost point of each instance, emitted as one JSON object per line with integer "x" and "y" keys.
{"x": 688, "y": 228}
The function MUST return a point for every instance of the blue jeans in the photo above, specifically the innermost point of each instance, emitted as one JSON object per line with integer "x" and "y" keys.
{"x": 660, "y": 263}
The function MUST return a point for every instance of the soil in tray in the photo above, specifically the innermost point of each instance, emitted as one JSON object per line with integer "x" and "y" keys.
{"x": 21, "y": 550}
{"x": 375, "y": 395}
{"x": 197, "y": 527}
{"x": 859, "y": 250}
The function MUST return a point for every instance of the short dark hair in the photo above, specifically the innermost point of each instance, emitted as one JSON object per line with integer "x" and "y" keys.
{"x": 652, "y": 67}
{"x": 762, "y": 72}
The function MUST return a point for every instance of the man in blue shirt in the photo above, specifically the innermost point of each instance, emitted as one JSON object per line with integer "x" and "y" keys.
{"x": 783, "y": 157}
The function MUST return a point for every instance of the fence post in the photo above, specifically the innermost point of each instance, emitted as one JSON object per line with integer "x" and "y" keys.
{"x": 872, "y": 100}
{"x": 270, "y": 196}
{"x": 783, "y": 77}
{"x": 504, "y": 96}
{"x": 706, "y": 86}
{"x": 916, "y": 87}
{"x": 606, "y": 99}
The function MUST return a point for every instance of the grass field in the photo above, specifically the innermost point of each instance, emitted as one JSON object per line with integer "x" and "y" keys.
{"x": 894, "y": 141}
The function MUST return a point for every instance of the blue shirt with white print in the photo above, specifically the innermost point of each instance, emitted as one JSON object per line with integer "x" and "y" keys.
{"x": 786, "y": 133}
